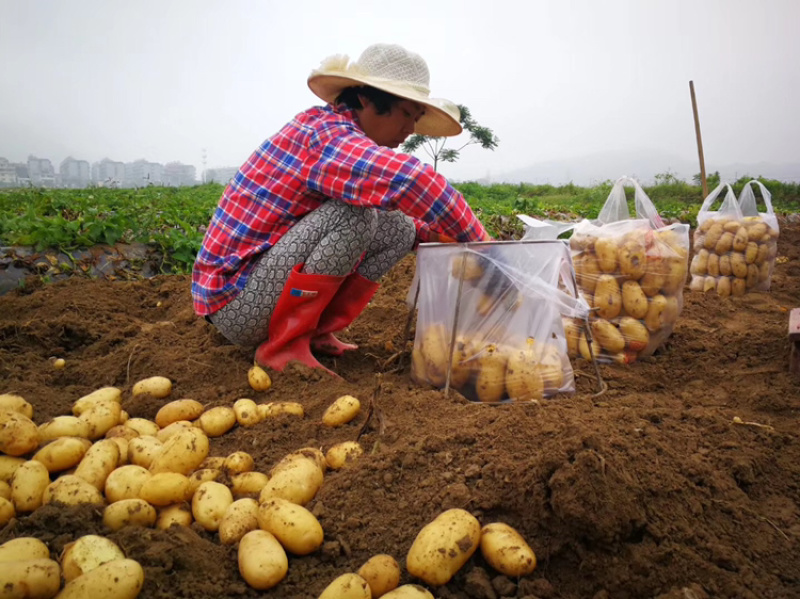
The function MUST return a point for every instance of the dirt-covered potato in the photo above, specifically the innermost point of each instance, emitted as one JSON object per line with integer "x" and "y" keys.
{"x": 126, "y": 482}
{"x": 490, "y": 381}
{"x": 523, "y": 376}
{"x": 443, "y": 546}
{"x": 101, "y": 417}
{"x": 87, "y": 553}
{"x": 217, "y": 421}
{"x": 297, "y": 478}
{"x": 634, "y": 333}
{"x": 63, "y": 453}
{"x": 339, "y": 455}
{"x": 72, "y": 490}
{"x": 18, "y": 433}
{"x": 382, "y": 573}
{"x": 28, "y": 486}
{"x": 239, "y": 518}
{"x": 143, "y": 449}
{"x": 262, "y": 560}
{"x": 409, "y": 591}
{"x": 16, "y": 403}
{"x": 179, "y": 409}
{"x": 238, "y": 462}
{"x": 608, "y": 336}
{"x": 258, "y": 378}
{"x": 607, "y": 297}
{"x": 129, "y": 512}
{"x": 35, "y": 578}
{"x": 506, "y": 551}
{"x": 246, "y": 411}
{"x": 347, "y": 586}
{"x": 297, "y": 529}
{"x": 23, "y": 548}
{"x": 157, "y": 386}
{"x": 121, "y": 579}
{"x": 100, "y": 460}
{"x": 165, "y": 488}
{"x": 95, "y": 397}
{"x": 278, "y": 408}
{"x": 178, "y": 513}
{"x": 248, "y": 483}
{"x": 606, "y": 250}
{"x": 341, "y": 411}
{"x": 183, "y": 452}
{"x": 634, "y": 299}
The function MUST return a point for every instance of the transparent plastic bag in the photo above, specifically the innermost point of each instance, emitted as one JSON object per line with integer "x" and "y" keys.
{"x": 632, "y": 273}
{"x": 547, "y": 229}
{"x": 762, "y": 228}
{"x": 489, "y": 320}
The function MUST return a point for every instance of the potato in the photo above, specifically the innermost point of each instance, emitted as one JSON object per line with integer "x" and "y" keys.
{"x": 246, "y": 411}
{"x": 724, "y": 286}
{"x": 217, "y": 421}
{"x": 258, "y": 378}
{"x": 523, "y": 375}
{"x": 463, "y": 363}
{"x": 434, "y": 354}
{"x": 713, "y": 265}
{"x": 608, "y": 336}
{"x": 676, "y": 276}
{"x": 297, "y": 529}
{"x": 262, "y": 560}
{"x": 738, "y": 287}
{"x": 7, "y": 511}
{"x": 143, "y": 426}
{"x": 178, "y": 513}
{"x": 100, "y": 395}
{"x": 724, "y": 243}
{"x": 182, "y": 453}
{"x": 123, "y": 431}
{"x": 341, "y": 411}
{"x": 752, "y": 276}
{"x": 157, "y": 386}
{"x": 712, "y": 236}
{"x": 606, "y": 250}
{"x": 607, "y": 297}
{"x": 588, "y": 353}
{"x": 347, "y": 586}
{"x": 248, "y": 483}
{"x": 87, "y": 553}
{"x": 240, "y": 517}
{"x": 725, "y": 268}
{"x": 700, "y": 262}
{"x": 126, "y": 482}
{"x": 408, "y": 591}
{"x": 209, "y": 503}
{"x": 72, "y": 490}
{"x": 63, "y": 453}
{"x": 18, "y": 433}
{"x": 198, "y": 477}
{"x": 23, "y": 548}
{"x": 16, "y": 403}
{"x": 635, "y": 333}
{"x": 101, "y": 417}
{"x": 142, "y": 450}
{"x": 738, "y": 265}
{"x": 466, "y": 265}
{"x": 296, "y": 479}
{"x": 589, "y": 271}
{"x": 632, "y": 260}
{"x": 165, "y": 488}
{"x": 634, "y": 299}
{"x": 179, "y": 409}
{"x": 740, "y": 240}
{"x": 339, "y": 455}
{"x": 214, "y": 462}
{"x": 120, "y": 579}
{"x": 443, "y": 546}
{"x": 490, "y": 382}
{"x": 9, "y": 465}
{"x": 129, "y": 512}
{"x": 32, "y": 578}
{"x": 169, "y": 431}
{"x": 654, "y": 318}
{"x": 100, "y": 460}
{"x": 5, "y": 490}
{"x": 238, "y": 462}
{"x": 278, "y": 408}
{"x": 382, "y": 573}
{"x": 28, "y": 485}
{"x": 506, "y": 551}
{"x": 572, "y": 332}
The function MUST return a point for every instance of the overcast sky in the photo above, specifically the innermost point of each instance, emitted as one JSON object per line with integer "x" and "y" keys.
{"x": 554, "y": 79}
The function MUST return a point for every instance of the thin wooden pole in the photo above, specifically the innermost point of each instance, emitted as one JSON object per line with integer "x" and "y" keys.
{"x": 699, "y": 141}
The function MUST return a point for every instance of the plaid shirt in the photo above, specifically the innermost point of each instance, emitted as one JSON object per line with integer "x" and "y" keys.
{"x": 321, "y": 154}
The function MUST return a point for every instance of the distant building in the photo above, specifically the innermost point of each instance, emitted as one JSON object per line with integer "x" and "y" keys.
{"x": 41, "y": 172}
{"x": 8, "y": 173}
{"x": 141, "y": 173}
{"x": 23, "y": 178}
{"x": 108, "y": 173}
{"x": 74, "y": 173}
{"x": 177, "y": 174}
{"x": 221, "y": 175}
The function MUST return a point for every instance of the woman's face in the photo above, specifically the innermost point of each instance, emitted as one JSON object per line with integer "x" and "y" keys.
{"x": 390, "y": 129}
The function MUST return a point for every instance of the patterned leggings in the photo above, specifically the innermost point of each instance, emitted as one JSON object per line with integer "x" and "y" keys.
{"x": 330, "y": 240}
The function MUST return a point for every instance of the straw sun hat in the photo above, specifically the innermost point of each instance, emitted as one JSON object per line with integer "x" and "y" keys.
{"x": 392, "y": 69}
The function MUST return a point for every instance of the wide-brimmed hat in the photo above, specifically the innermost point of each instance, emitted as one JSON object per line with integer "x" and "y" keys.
{"x": 395, "y": 70}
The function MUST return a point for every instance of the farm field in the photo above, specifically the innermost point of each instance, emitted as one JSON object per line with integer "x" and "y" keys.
{"x": 647, "y": 490}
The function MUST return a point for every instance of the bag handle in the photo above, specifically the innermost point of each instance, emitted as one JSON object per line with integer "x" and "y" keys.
{"x": 616, "y": 206}
{"x": 729, "y": 204}
{"x": 747, "y": 199}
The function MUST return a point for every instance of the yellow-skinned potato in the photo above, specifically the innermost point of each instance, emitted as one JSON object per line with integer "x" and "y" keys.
{"x": 165, "y": 488}
{"x": 23, "y": 548}
{"x": 632, "y": 260}
{"x": 572, "y": 332}
{"x": 339, "y": 455}
{"x": 588, "y": 272}
{"x": 18, "y": 433}
{"x": 122, "y": 445}
{"x": 697, "y": 283}
{"x": 177, "y": 513}
{"x": 466, "y": 265}
{"x": 607, "y": 297}
{"x": 490, "y": 382}
{"x": 676, "y": 276}
{"x": 523, "y": 376}
{"x": 713, "y": 265}
{"x": 173, "y": 429}
{"x": 408, "y": 591}
{"x": 738, "y": 287}
{"x": 608, "y": 336}
{"x": 258, "y": 378}
{"x": 240, "y": 517}
{"x": 764, "y": 272}
{"x": 63, "y": 453}
{"x": 87, "y": 553}
{"x": 179, "y": 409}
{"x": 297, "y": 529}
{"x": 209, "y": 503}
{"x": 121, "y": 430}
{"x": 709, "y": 284}
{"x": 584, "y": 349}
{"x": 198, "y": 477}
{"x": 143, "y": 426}
{"x": 443, "y": 546}
{"x": 462, "y": 363}
{"x": 347, "y": 586}
{"x": 217, "y": 421}
{"x": 712, "y": 236}
{"x": 5, "y": 490}
{"x": 129, "y": 512}
{"x": 724, "y": 243}
{"x": 100, "y": 460}
{"x": 157, "y": 386}
{"x": 238, "y": 462}
{"x": 248, "y": 483}
{"x": 126, "y": 482}
{"x": 101, "y": 417}
{"x": 738, "y": 265}
{"x": 7, "y": 511}
{"x": 28, "y": 485}
{"x": 16, "y": 403}
{"x": 341, "y": 411}
{"x": 740, "y": 240}
{"x": 95, "y": 397}
{"x": 606, "y": 250}
{"x": 725, "y": 268}
{"x": 297, "y": 480}
{"x": 214, "y": 462}
{"x": 278, "y": 408}
{"x": 752, "y": 276}
{"x": 700, "y": 262}
{"x": 183, "y": 452}
{"x": 246, "y": 411}
{"x": 262, "y": 560}
{"x": 506, "y": 551}
{"x": 382, "y": 573}
{"x": 9, "y": 465}
{"x": 653, "y": 320}
{"x": 34, "y": 578}
{"x": 724, "y": 286}
{"x": 72, "y": 490}
{"x": 634, "y": 300}
{"x": 756, "y": 231}
{"x": 120, "y": 579}
{"x": 435, "y": 348}
{"x": 635, "y": 333}
{"x": 143, "y": 449}
{"x": 763, "y": 252}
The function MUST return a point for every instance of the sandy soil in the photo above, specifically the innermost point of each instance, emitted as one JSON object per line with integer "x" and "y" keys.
{"x": 648, "y": 490}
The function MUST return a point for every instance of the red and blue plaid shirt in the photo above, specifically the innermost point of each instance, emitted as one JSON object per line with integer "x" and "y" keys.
{"x": 321, "y": 154}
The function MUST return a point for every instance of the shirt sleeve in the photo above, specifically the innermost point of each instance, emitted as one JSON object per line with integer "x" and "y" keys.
{"x": 348, "y": 166}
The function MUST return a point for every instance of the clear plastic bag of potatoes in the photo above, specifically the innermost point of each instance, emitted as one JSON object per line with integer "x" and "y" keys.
{"x": 631, "y": 272}
{"x": 489, "y": 320}
{"x": 734, "y": 252}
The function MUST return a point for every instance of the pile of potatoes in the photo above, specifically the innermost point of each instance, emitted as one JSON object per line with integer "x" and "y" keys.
{"x": 515, "y": 370}
{"x": 633, "y": 281}
{"x": 733, "y": 256}
{"x": 160, "y": 472}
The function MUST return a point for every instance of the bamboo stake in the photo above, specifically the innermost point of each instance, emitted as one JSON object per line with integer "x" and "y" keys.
{"x": 699, "y": 140}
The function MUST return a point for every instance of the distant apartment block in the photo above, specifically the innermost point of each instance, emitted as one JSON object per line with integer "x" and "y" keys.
{"x": 8, "y": 173}
{"x": 141, "y": 173}
{"x": 177, "y": 174}
{"x": 221, "y": 175}
{"x": 41, "y": 172}
{"x": 75, "y": 173}
{"x": 108, "y": 173}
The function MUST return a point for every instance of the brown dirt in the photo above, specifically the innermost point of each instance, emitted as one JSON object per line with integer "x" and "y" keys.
{"x": 649, "y": 490}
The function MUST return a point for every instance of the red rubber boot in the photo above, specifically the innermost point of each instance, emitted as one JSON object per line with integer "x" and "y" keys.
{"x": 349, "y": 301}
{"x": 295, "y": 318}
